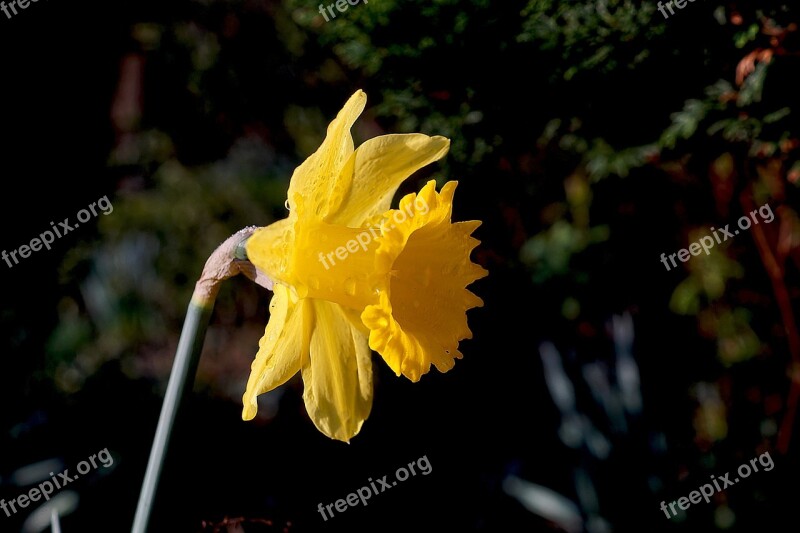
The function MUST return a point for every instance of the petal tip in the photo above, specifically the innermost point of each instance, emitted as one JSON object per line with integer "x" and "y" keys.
{"x": 249, "y": 412}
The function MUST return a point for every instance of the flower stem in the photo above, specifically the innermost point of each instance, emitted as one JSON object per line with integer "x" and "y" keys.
{"x": 226, "y": 261}
{"x": 180, "y": 382}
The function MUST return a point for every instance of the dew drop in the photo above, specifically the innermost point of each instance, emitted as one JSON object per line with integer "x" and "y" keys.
{"x": 286, "y": 205}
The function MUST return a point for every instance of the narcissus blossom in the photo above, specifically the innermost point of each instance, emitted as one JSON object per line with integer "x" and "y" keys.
{"x": 401, "y": 292}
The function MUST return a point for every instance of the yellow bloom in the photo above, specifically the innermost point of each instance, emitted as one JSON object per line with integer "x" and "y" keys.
{"x": 350, "y": 274}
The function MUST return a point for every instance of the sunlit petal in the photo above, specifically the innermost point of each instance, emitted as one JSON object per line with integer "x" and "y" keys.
{"x": 282, "y": 350}
{"x": 269, "y": 248}
{"x": 378, "y": 167}
{"x": 338, "y": 374}
{"x": 320, "y": 180}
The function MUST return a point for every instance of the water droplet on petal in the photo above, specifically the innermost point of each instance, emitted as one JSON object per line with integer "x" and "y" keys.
{"x": 286, "y": 204}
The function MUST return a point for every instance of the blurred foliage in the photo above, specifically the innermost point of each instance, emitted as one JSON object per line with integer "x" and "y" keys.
{"x": 591, "y": 36}
{"x": 136, "y": 284}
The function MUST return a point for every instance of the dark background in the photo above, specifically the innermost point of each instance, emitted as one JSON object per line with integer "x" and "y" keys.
{"x": 588, "y": 137}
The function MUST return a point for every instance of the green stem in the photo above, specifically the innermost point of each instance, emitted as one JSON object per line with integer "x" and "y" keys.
{"x": 180, "y": 384}
{"x": 229, "y": 259}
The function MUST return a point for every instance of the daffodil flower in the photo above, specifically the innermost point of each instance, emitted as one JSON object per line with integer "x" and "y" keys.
{"x": 401, "y": 292}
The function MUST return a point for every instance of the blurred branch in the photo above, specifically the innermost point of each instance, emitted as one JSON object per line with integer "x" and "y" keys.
{"x": 775, "y": 270}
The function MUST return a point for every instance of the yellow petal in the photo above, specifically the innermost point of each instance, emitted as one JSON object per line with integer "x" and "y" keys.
{"x": 317, "y": 181}
{"x": 269, "y": 248}
{"x": 378, "y": 167}
{"x": 282, "y": 350}
{"x": 338, "y": 374}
